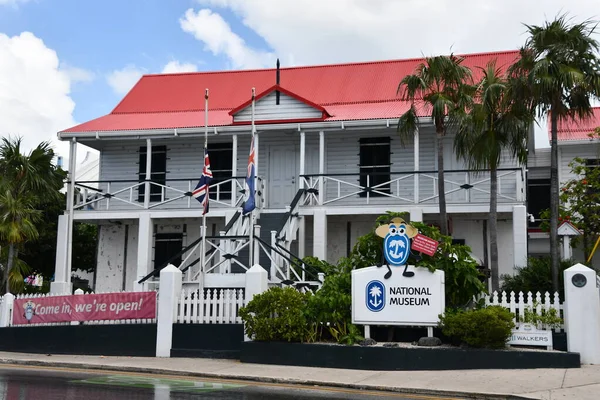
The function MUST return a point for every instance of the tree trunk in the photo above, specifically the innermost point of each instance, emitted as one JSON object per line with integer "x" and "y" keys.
{"x": 441, "y": 186}
{"x": 554, "y": 200}
{"x": 494, "y": 229}
{"x": 9, "y": 264}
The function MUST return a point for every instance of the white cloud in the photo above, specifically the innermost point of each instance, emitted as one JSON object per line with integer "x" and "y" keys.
{"x": 35, "y": 100}
{"x": 122, "y": 80}
{"x": 217, "y": 36}
{"x": 175, "y": 66}
{"x": 305, "y": 32}
{"x": 76, "y": 74}
{"x": 317, "y": 31}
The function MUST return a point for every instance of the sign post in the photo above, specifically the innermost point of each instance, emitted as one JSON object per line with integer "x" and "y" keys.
{"x": 415, "y": 297}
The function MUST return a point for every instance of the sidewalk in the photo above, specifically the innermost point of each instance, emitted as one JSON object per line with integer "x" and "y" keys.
{"x": 546, "y": 384}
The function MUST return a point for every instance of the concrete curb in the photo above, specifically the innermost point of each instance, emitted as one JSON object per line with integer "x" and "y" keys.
{"x": 290, "y": 381}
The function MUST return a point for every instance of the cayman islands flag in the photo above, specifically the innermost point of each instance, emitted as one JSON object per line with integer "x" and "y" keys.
{"x": 250, "y": 203}
{"x": 200, "y": 193}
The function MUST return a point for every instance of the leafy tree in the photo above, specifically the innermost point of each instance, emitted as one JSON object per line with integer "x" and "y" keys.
{"x": 439, "y": 87}
{"x": 494, "y": 123}
{"x": 25, "y": 181}
{"x": 580, "y": 204}
{"x": 557, "y": 75}
{"x": 40, "y": 254}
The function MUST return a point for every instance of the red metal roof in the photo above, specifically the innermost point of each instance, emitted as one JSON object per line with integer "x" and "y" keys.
{"x": 577, "y": 130}
{"x": 346, "y": 91}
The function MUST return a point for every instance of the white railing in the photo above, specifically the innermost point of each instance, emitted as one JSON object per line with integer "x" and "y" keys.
{"x": 174, "y": 194}
{"x": 517, "y": 303}
{"x": 461, "y": 186}
{"x": 210, "y": 306}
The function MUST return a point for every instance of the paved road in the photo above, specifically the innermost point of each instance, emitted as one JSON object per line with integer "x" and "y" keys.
{"x": 27, "y": 383}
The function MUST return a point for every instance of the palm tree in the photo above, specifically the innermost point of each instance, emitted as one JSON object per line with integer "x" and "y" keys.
{"x": 494, "y": 123}
{"x": 558, "y": 76}
{"x": 24, "y": 181}
{"x": 438, "y": 87}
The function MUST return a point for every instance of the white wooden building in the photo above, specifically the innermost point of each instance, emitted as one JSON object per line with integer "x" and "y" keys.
{"x": 329, "y": 162}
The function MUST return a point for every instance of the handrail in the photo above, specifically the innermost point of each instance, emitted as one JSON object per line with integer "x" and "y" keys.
{"x": 293, "y": 205}
{"x": 268, "y": 246}
{"x": 188, "y": 247}
{"x": 166, "y": 180}
{"x": 407, "y": 172}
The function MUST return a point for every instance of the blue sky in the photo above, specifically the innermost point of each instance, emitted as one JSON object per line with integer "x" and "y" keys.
{"x": 64, "y": 62}
{"x": 107, "y": 35}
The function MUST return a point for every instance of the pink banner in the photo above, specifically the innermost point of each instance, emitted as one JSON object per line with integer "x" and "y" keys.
{"x": 86, "y": 307}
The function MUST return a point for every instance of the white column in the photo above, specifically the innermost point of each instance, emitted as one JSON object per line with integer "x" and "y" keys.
{"x": 416, "y": 160}
{"x": 321, "y": 167}
{"x": 416, "y": 215}
{"x": 60, "y": 284}
{"x": 302, "y": 237}
{"x": 256, "y": 244}
{"x": 519, "y": 236}
{"x": 234, "y": 155}
{"x": 320, "y": 234}
{"x": 170, "y": 290}
{"x": 567, "y": 251}
{"x": 582, "y": 313}
{"x": 144, "y": 255}
{"x": 148, "y": 173}
{"x": 6, "y": 308}
{"x": 302, "y": 158}
{"x": 70, "y": 196}
{"x": 257, "y": 282}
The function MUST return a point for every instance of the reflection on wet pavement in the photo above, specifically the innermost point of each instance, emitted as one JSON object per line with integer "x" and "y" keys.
{"x": 23, "y": 383}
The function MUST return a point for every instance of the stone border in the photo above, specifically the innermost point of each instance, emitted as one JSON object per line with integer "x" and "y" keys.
{"x": 401, "y": 358}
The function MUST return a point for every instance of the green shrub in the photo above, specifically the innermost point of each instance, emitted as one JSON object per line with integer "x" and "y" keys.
{"x": 535, "y": 277}
{"x": 550, "y": 317}
{"x": 488, "y": 327}
{"x": 329, "y": 308}
{"x": 276, "y": 315}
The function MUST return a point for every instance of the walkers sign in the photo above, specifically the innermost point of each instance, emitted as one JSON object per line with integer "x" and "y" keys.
{"x": 399, "y": 300}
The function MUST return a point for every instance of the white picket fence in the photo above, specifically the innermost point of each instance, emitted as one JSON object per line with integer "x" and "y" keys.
{"x": 210, "y": 306}
{"x": 517, "y": 303}
{"x": 96, "y": 322}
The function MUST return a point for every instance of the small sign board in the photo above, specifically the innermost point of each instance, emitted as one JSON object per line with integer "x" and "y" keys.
{"x": 424, "y": 244}
{"x": 397, "y": 300}
{"x": 528, "y": 335}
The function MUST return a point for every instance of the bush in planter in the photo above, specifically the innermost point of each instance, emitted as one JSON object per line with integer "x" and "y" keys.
{"x": 276, "y": 315}
{"x": 488, "y": 327}
{"x": 535, "y": 277}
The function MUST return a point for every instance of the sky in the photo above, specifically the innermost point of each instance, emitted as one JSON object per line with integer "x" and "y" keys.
{"x": 64, "y": 62}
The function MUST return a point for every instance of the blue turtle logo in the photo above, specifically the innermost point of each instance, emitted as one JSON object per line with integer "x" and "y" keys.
{"x": 396, "y": 244}
{"x": 29, "y": 308}
{"x": 375, "y": 296}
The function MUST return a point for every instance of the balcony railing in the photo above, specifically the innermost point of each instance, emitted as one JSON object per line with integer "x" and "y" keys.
{"x": 116, "y": 195}
{"x": 461, "y": 186}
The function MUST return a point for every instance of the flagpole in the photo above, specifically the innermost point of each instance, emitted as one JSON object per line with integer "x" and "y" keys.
{"x": 251, "y": 235}
{"x": 203, "y": 251}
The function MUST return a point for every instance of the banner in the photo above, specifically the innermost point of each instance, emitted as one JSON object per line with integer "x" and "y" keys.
{"x": 85, "y": 307}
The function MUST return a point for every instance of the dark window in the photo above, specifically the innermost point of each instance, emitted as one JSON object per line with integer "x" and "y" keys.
{"x": 221, "y": 161}
{"x": 593, "y": 163}
{"x": 538, "y": 198}
{"x": 166, "y": 245}
{"x": 375, "y": 164}
{"x": 158, "y": 172}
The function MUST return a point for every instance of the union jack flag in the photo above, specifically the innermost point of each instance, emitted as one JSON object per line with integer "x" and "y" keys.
{"x": 250, "y": 203}
{"x": 200, "y": 193}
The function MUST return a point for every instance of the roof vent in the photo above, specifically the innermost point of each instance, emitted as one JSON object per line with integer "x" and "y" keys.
{"x": 277, "y": 80}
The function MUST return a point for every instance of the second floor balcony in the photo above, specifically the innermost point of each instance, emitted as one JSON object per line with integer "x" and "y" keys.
{"x": 323, "y": 190}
